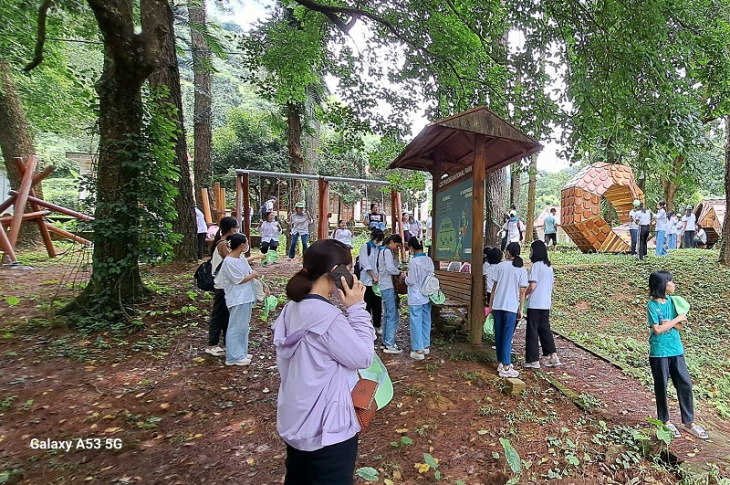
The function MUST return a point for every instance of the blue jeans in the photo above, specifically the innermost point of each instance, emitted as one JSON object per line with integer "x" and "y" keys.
{"x": 391, "y": 316}
{"x": 672, "y": 241}
{"x": 634, "y": 233}
{"x": 419, "y": 317}
{"x": 504, "y": 329}
{"x": 237, "y": 333}
{"x": 660, "y": 251}
{"x": 293, "y": 247}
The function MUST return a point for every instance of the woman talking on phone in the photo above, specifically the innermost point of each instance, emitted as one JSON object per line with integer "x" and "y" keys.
{"x": 318, "y": 352}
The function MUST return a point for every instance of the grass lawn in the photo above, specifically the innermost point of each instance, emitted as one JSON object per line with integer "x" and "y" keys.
{"x": 604, "y": 309}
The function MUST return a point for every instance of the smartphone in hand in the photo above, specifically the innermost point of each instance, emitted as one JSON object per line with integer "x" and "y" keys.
{"x": 339, "y": 271}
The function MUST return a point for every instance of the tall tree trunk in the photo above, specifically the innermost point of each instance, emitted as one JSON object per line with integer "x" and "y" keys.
{"x": 203, "y": 113}
{"x": 294, "y": 144}
{"x": 669, "y": 185}
{"x": 168, "y": 75}
{"x": 129, "y": 58}
{"x": 725, "y": 240}
{"x": 514, "y": 186}
{"x": 15, "y": 141}
{"x": 530, "y": 216}
{"x": 311, "y": 151}
{"x": 495, "y": 205}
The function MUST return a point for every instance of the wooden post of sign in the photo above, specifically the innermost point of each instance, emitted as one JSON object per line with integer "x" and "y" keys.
{"x": 476, "y": 308}
{"x": 243, "y": 182}
{"x": 23, "y": 193}
{"x": 393, "y": 209}
{"x": 437, "y": 170}
{"x": 399, "y": 210}
{"x": 206, "y": 205}
{"x": 323, "y": 222}
{"x": 222, "y": 204}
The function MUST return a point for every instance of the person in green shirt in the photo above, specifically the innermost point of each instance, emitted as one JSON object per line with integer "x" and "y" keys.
{"x": 666, "y": 354}
{"x": 551, "y": 231}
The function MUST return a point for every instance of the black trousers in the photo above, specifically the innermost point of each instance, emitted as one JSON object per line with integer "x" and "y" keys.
{"x": 201, "y": 244}
{"x": 643, "y": 240}
{"x": 374, "y": 305}
{"x": 265, "y": 246}
{"x": 331, "y": 465}
{"x": 689, "y": 239}
{"x": 538, "y": 331}
{"x": 662, "y": 368}
{"x": 218, "y": 318}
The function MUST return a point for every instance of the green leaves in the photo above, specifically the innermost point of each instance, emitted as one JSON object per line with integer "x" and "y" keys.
{"x": 513, "y": 459}
{"x": 367, "y": 473}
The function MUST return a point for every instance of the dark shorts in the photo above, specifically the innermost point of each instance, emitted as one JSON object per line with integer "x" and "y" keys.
{"x": 552, "y": 236}
{"x": 265, "y": 246}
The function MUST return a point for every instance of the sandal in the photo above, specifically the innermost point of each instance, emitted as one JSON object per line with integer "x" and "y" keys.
{"x": 697, "y": 431}
{"x": 673, "y": 429}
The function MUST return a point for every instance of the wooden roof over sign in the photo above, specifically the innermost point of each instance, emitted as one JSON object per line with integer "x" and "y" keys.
{"x": 454, "y": 138}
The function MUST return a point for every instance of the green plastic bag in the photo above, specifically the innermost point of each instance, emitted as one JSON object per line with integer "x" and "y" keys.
{"x": 379, "y": 373}
{"x": 489, "y": 325}
{"x": 270, "y": 303}
{"x": 271, "y": 257}
{"x": 376, "y": 290}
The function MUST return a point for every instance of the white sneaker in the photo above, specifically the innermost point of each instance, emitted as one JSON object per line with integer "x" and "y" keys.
{"x": 508, "y": 371}
{"x": 215, "y": 351}
{"x": 392, "y": 349}
{"x": 553, "y": 360}
{"x": 426, "y": 351}
{"x": 244, "y": 361}
{"x": 531, "y": 365}
{"x": 379, "y": 330}
{"x": 500, "y": 367}
{"x": 417, "y": 355}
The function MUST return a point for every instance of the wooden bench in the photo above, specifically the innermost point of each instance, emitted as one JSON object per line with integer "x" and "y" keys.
{"x": 456, "y": 287}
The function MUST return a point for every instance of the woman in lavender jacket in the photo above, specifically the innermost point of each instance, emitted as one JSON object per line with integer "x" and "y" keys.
{"x": 318, "y": 352}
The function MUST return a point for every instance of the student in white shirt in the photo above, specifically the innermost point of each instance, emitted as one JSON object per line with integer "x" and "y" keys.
{"x": 270, "y": 232}
{"x": 494, "y": 257}
{"x": 643, "y": 219}
{"x": 689, "y": 221}
{"x": 661, "y": 228}
{"x": 235, "y": 278}
{"x": 507, "y": 299}
{"x": 539, "y": 301}
{"x": 202, "y": 231}
{"x": 634, "y": 227}
{"x": 700, "y": 236}
{"x": 672, "y": 230}
{"x": 369, "y": 277}
{"x": 343, "y": 234}
{"x": 299, "y": 222}
{"x": 419, "y": 305}
{"x": 515, "y": 228}
{"x": 388, "y": 269}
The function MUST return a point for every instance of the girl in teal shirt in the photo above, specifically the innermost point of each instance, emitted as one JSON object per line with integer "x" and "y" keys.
{"x": 666, "y": 354}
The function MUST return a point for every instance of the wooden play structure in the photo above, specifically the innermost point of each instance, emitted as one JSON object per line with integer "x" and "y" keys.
{"x": 243, "y": 200}
{"x": 25, "y": 197}
{"x": 710, "y": 215}
{"x": 580, "y": 206}
{"x": 458, "y": 152}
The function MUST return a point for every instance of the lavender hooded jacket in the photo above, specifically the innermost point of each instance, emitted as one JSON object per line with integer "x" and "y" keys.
{"x": 318, "y": 351}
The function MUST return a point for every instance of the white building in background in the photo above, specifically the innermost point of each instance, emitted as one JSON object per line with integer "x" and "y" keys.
{"x": 4, "y": 188}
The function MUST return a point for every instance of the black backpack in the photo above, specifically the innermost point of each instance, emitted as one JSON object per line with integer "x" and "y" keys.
{"x": 358, "y": 270}
{"x": 205, "y": 277}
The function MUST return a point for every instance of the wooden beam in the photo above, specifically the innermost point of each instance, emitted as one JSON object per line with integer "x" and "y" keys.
{"x": 67, "y": 235}
{"x": 476, "y": 308}
{"x": 223, "y": 203}
{"x": 8, "y": 202}
{"x": 323, "y": 207}
{"x": 7, "y": 248}
{"x": 206, "y": 205}
{"x": 217, "y": 202}
{"x": 26, "y": 216}
{"x": 45, "y": 235}
{"x": 55, "y": 208}
{"x": 243, "y": 182}
{"x": 23, "y": 193}
{"x": 37, "y": 178}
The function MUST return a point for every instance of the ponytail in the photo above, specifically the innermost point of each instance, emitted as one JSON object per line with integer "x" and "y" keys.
{"x": 514, "y": 249}
{"x": 300, "y": 285}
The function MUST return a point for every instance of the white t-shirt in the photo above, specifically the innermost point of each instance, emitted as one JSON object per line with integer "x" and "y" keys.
{"x": 344, "y": 236}
{"x": 672, "y": 225}
{"x": 661, "y": 220}
{"x": 387, "y": 268}
{"x": 415, "y": 229}
{"x": 509, "y": 280}
{"x": 644, "y": 217}
{"x": 513, "y": 229}
{"x": 270, "y": 231}
{"x": 543, "y": 276}
{"x": 632, "y": 219}
{"x": 702, "y": 236}
{"x": 690, "y": 222}
{"x": 229, "y": 278}
{"x": 429, "y": 226}
{"x": 419, "y": 268}
{"x": 367, "y": 262}
{"x": 200, "y": 221}
{"x": 300, "y": 223}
